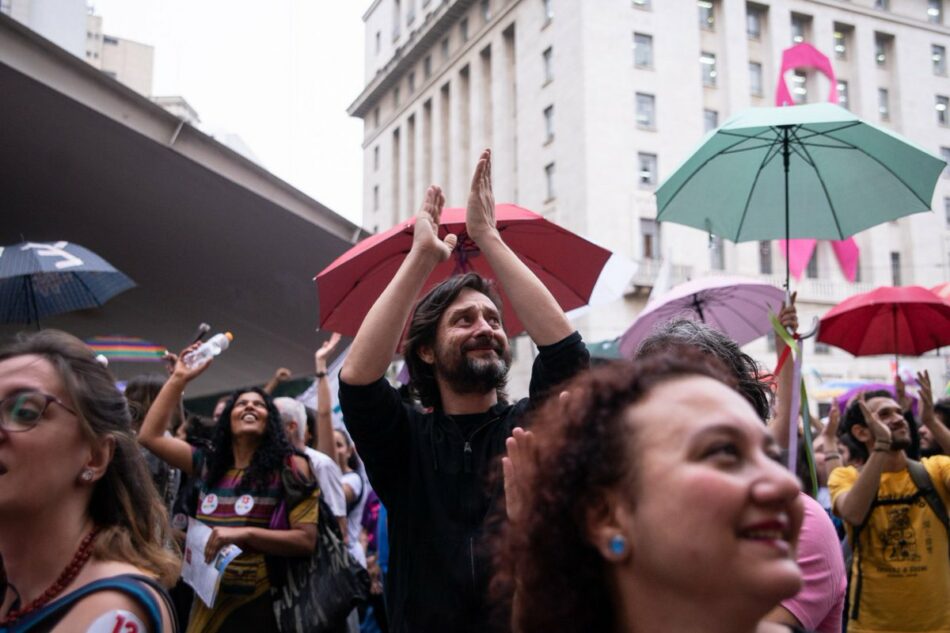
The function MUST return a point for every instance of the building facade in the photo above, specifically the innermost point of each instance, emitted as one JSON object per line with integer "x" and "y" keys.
{"x": 588, "y": 105}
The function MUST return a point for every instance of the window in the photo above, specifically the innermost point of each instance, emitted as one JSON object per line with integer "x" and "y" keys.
{"x": 548, "y": 10}
{"x": 647, "y": 176}
{"x": 646, "y": 110}
{"x": 376, "y": 117}
{"x": 799, "y": 87}
{"x": 376, "y": 158}
{"x": 445, "y": 49}
{"x": 883, "y": 104}
{"x": 546, "y": 57}
{"x": 843, "y": 100}
{"x": 707, "y": 15}
{"x": 882, "y": 4}
{"x": 379, "y": 42}
{"x": 549, "y": 124}
{"x": 946, "y": 210}
{"x": 642, "y": 50}
{"x": 396, "y": 97}
{"x": 643, "y": 4}
{"x": 765, "y": 257}
{"x": 945, "y": 154}
{"x": 717, "y": 255}
{"x": 108, "y": 39}
{"x": 707, "y": 63}
{"x": 940, "y": 105}
{"x": 411, "y": 82}
{"x": 770, "y": 340}
{"x": 880, "y": 49}
{"x": 753, "y": 22}
{"x": 800, "y": 25}
{"x": 486, "y": 10}
{"x": 375, "y": 197}
{"x": 755, "y": 78}
{"x": 896, "y": 268}
{"x": 822, "y": 348}
{"x": 811, "y": 270}
{"x": 710, "y": 120}
{"x": 650, "y": 238}
{"x": 938, "y": 54}
{"x": 935, "y": 11}
{"x": 463, "y": 29}
{"x": 549, "y": 180}
{"x": 842, "y": 35}
{"x": 427, "y": 66}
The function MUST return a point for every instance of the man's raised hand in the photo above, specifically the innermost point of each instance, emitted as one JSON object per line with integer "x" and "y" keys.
{"x": 925, "y": 393}
{"x": 879, "y": 430}
{"x": 480, "y": 213}
{"x": 425, "y": 236}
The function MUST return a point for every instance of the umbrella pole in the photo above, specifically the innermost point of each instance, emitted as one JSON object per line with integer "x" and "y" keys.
{"x": 897, "y": 365}
{"x": 785, "y": 161}
{"x": 32, "y": 293}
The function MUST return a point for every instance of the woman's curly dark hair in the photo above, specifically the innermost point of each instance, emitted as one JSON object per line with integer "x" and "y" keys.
{"x": 269, "y": 457}
{"x": 583, "y": 451}
{"x": 753, "y": 384}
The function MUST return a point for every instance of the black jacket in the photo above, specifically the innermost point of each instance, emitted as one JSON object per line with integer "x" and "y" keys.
{"x": 439, "y": 481}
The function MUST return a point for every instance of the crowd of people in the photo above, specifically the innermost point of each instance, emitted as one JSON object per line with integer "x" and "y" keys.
{"x": 638, "y": 496}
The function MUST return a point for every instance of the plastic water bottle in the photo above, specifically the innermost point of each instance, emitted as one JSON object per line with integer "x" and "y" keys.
{"x": 208, "y": 350}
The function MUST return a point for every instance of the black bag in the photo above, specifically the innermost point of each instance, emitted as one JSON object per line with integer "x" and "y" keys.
{"x": 315, "y": 594}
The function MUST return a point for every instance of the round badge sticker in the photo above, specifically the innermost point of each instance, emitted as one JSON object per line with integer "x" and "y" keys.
{"x": 244, "y": 504}
{"x": 118, "y": 621}
{"x": 209, "y": 504}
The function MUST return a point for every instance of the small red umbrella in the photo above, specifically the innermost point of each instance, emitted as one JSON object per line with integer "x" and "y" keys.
{"x": 567, "y": 264}
{"x": 903, "y": 320}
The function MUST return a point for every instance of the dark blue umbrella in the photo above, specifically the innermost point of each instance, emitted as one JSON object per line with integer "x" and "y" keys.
{"x": 40, "y": 279}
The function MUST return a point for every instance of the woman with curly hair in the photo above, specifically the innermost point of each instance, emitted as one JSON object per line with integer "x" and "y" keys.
{"x": 83, "y": 535}
{"x": 243, "y": 479}
{"x": 647, "y": 499}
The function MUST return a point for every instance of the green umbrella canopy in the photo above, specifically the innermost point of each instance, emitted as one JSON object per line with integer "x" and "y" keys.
{"x": 844, "y": 176}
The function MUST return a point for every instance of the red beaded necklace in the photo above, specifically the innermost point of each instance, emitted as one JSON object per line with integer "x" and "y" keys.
{"x": 69, "y": 574}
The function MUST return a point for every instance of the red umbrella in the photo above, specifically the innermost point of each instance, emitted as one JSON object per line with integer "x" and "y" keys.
{"x": 908, "y": 320}
{"x": 567, "y": 264}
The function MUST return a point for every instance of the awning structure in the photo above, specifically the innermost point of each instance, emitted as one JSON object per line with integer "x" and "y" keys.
{"x": 206, "y": 234}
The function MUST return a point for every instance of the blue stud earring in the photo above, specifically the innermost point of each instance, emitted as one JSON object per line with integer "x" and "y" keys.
{"x": 617, "y": 545}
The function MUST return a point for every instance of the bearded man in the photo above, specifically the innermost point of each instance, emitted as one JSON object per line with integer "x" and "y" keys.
{"x": 437, "y": 471}
{"x": 895, "y": 512}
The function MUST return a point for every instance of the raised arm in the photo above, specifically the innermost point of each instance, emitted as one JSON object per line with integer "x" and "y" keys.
{"x": 175, "y": 452}
{"x": 534, "y": 304}
{"x": 781, "y": 414}
{"x": 323, "y": 441}
{"x": 927, "y": 416}
{"x": 379, "y": 334}
{"x": 281, "y": 375}
{"x": 854, "y": 504}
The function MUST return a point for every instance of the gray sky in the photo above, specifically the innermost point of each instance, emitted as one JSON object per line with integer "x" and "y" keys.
{"x": 279, "y": 73}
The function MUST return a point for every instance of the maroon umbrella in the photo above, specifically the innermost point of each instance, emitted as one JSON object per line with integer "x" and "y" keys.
{"x": 567, "y": 264}
{"x": 903, "y": 320}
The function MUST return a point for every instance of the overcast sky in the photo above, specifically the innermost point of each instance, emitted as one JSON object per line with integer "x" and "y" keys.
{"x": 278, "y": 73}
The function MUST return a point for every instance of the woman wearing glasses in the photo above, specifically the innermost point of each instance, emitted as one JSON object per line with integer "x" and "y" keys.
{"x": 82, "y": 531}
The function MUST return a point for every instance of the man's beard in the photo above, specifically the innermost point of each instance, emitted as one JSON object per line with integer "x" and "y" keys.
{"x": 474, "y": 375}
{"x": 900, "y": 444}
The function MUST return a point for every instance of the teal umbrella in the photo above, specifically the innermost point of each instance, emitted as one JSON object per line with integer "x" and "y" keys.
{"x": 809, "y": 171}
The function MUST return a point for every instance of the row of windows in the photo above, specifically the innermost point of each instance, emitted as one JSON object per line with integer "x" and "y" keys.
{"x": 485, "y": 10}
{"x": 755, "y": 17}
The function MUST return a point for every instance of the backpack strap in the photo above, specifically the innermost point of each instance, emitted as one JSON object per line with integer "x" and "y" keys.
{"x": 924, "y": 483}
{"x": 133, "y": 585}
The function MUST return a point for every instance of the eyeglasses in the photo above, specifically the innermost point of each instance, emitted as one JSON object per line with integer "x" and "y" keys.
{"x": 23, "y": 411}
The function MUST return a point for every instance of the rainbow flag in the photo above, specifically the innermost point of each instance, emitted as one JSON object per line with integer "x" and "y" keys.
{"x": 126, "y": 348}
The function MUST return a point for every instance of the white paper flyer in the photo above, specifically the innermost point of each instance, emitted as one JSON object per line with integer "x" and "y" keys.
{"x": 203, "y": 577}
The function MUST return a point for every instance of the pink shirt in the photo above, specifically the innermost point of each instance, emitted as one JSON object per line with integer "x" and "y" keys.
{"x": 819, "y": 604}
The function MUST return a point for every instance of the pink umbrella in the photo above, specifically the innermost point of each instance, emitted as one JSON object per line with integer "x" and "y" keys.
{"x": 736, "y": 306}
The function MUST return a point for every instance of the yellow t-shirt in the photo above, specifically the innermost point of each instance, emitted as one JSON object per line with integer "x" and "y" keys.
{"x": 902, "y": 554}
